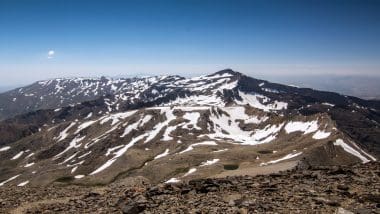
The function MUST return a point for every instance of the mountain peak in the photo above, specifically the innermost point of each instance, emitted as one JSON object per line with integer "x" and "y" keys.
{"x": 226, "y": 71}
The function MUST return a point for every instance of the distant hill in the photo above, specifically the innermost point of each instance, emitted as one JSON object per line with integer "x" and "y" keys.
{"x": 365, "y": 87}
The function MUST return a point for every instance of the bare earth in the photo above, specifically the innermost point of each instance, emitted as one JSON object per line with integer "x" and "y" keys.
{"x": 333, "y": 189}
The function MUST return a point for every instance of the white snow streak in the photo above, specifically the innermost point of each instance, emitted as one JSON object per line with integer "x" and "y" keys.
{"x": 10, "y": 179}
{"x": 23, "y": 184}
{"x": 29, "y": 164}
{"x": 205, "y": 143}
{"x": 117, "y": 154}
{"x": 349, "y": 149}
{"x": 191, "y": 171}
{"x": 172, "y": 180}
{"x": 17, "y": 156}
{"x": 289, "y": 156}
{"x": 5, "y": 148}
{"x": 165, "y": 153}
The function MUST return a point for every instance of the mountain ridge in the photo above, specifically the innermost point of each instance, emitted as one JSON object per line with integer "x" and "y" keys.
{"x": 10, "y": 102}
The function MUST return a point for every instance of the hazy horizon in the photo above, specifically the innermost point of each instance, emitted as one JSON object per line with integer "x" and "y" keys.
{"x": 363, "y": 86}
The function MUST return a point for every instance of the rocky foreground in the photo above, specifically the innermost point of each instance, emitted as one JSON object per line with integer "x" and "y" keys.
{"x": 345, "y": 189}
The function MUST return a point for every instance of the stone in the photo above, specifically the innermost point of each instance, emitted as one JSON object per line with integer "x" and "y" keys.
{"x": 343, "y": 187}
{"x": 132, "y": 208}
{"x": 341, "y": 210}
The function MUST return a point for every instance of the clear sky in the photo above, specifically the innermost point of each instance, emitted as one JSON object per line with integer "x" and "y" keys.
{"x": 42, "y": 39}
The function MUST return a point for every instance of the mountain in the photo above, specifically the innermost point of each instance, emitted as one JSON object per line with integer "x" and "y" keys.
{"x": 170, "y": 128}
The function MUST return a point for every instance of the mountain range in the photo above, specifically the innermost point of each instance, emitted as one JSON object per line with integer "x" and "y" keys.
{"x": 94, "y": 131}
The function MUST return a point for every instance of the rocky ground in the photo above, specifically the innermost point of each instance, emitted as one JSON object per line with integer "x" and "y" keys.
{"x": 347, "y": 189}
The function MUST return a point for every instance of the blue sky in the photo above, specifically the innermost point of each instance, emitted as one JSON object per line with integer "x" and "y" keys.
{"x": 187, "y": 37}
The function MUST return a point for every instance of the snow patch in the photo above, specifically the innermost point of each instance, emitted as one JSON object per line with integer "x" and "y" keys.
{"x": 328, "y": 104}
{"x": 238, "y": 113}
{"x": 109, "y": 150}
{"x": 321, "y": 135}
{"x": 197, "y": 100}
{"x": 193, "y": 118}
{"x": 305, "y": 127}
{"x": 117, "y": 154}
{"x": 156, "y": 130}
{"x": 84, "y": 125}
{"x": 115, "y": 118}
{"x": 85, "y": 154}
{"x": 172, "y": 180}
{"x": 210, "y": 162}
{"x": 30, "y": 155}
{"x": 73, "y": 144}
{"x": 129, "y": 128}
{"x": 74, "y": 169}
{"x": 228, "y": 127}
{"x": 221, "y": 150}
{"x": 265, "y": 135}
{"x": 88, "y": 116}
{"x": 64, "y": 133}
{"x": 261, "y": 102}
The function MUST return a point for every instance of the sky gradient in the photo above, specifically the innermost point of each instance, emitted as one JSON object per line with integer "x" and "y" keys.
{"x": 42, "y": 39}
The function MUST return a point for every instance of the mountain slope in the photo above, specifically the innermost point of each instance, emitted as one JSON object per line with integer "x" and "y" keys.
{"x": 171, "y": 128}
{"x": 175, "y": 141}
